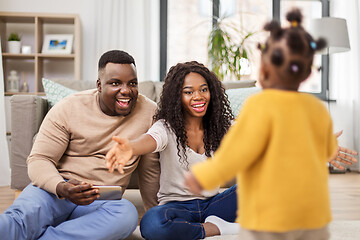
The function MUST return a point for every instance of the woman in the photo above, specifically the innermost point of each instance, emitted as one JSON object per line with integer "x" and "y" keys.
{"x": 192, "y": 118}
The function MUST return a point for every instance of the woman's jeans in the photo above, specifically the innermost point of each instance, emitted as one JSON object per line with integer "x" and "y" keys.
{"x": 183, "y": 220}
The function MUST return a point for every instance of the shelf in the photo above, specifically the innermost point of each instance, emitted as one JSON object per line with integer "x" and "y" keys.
{"x": 33, "y": 27}
{"x": 11, "y": 18}
{"x": 40, "y": 55}
{"x": 44, "y": 55}
{"x": 18, "y": 56}
{"x": 25, "y": 93}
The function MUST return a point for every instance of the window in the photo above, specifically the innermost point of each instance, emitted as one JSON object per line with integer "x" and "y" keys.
{"x": 189, "y": 23}
{"x": 317, "y": 83}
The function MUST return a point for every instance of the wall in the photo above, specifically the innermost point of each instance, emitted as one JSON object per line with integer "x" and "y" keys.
{"x": 140, "y": 38}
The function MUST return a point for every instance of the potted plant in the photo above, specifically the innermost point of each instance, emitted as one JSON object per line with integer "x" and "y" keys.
{"x": 14, "y": 43}
{"x": 227, "y": 49}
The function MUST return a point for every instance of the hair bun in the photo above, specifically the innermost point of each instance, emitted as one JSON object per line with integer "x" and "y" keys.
{"x": 294, "y": 16}
{"x": 275, "y": 29}
{"x": 320, "y": 44}
{"x": 277, "y": 57}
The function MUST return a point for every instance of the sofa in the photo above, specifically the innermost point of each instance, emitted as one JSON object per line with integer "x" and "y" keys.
{"x": 28, "y": 111}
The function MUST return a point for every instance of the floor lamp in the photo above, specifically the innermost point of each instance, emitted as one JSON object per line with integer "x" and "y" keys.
{"x": 335, "y": 31}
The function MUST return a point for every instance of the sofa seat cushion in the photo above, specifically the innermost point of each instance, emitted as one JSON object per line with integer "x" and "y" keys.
{"x": 237, "y": 97}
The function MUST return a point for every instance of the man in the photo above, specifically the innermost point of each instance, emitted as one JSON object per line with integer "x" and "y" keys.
{"x": 68, "y": 157}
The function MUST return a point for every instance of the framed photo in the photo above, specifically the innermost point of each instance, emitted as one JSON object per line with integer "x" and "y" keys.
{"x": 58, "y": 43}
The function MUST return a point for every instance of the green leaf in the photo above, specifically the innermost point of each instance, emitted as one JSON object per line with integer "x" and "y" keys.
{"x": 14, "y": 37}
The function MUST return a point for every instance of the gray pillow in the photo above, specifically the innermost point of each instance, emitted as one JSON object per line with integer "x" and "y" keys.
{"x": 237, "y": 97}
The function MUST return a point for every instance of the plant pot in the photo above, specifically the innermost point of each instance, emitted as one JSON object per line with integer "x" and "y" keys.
{"x": 14, "y": 46}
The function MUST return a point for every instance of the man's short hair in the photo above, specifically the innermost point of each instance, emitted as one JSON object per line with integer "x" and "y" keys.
{"x": 115, "y": 56}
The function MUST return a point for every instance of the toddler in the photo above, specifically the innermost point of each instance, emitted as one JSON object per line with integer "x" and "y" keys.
{"x": 279, "y": 146}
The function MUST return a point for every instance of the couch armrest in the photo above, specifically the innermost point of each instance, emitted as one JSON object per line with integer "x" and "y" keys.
{"x": 27, "y": 113}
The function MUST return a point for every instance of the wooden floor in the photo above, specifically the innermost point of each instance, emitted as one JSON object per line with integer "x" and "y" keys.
{"x": 344, "y": 193}
{"x": 345, "y": 196}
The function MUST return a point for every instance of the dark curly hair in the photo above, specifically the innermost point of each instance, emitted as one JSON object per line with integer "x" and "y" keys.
{"x": 299, "y": 42}
{"x": 217, "y": 119}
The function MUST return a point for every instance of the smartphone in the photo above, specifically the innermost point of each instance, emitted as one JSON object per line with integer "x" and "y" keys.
{"x": 109, "y": 192}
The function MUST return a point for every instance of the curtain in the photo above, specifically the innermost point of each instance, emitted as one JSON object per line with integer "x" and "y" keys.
{"x": 345, "y": 78}
{"x": 132, "y": 26}
{"x": 4, "y": 152}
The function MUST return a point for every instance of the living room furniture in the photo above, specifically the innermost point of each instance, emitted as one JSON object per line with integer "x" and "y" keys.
{"x": 33, "y": 27}
{"x": 28, "y": 111}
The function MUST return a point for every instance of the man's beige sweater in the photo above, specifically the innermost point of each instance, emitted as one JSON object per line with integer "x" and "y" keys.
{"x": 76, "y": 135}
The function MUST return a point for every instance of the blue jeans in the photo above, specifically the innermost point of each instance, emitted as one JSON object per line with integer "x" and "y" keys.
{"x": 182, "y": 220}
{"x": 37, "y": 214}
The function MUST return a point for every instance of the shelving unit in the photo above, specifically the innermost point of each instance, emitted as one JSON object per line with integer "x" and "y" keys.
{"x": 33, "y": 27}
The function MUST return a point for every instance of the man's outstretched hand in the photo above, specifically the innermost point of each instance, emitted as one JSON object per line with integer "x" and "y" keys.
{"x": 343, "y": 155}
{"x": 77, "y": 192}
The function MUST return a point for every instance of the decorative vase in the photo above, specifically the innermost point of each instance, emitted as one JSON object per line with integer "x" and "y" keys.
{"x": 14, "y": 46}
{"x": 13, "y": 82}
{"x": 25, "y": 87}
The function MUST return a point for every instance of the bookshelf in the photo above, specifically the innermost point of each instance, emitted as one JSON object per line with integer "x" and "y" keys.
{"x": 33, "y": 66}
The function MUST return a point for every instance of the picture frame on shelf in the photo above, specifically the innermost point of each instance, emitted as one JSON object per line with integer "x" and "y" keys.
{"x": 57, "y": 43}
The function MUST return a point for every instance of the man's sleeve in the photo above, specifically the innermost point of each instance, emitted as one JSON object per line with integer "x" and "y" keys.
{"x": 49, "y": 146}
{"x": 149, "y": 178}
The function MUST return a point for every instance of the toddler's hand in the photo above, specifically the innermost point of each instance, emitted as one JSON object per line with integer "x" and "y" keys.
{"x": 193, "y": 184}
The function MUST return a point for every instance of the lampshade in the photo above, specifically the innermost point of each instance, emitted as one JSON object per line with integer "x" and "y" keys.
{"x": 334, "y": 30}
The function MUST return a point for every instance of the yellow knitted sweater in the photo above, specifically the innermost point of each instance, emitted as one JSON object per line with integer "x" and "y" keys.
{"x": 278, "y": 149}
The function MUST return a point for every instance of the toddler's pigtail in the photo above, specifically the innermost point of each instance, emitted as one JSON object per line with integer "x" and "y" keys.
{"x": 275, "y": 29}
{"x": 294, "y": 17}
{"x": 320, "y": 44}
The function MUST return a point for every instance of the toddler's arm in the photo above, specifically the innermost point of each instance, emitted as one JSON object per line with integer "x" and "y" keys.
{"x": 193, "y": 185}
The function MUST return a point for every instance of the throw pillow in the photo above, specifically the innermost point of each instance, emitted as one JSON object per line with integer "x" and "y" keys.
{"x": 237, "y": 97}
{"x": 55, "y": 91}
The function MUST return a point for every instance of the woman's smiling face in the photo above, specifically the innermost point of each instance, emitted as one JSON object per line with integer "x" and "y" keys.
{"x": 195, "y": 96}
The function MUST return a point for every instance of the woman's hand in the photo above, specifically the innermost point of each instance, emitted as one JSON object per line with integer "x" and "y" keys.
{"x": 119, "y": 155}
{"x": 343, "y": 155}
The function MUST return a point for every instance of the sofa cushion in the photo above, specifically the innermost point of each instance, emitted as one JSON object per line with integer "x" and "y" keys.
{"x": 237, "y": 97}
{"x": 239, "y": 84}
{"x": 55, "y": 91}
{"x": 148, "y": 89}
{"x": 76, "y": 84}
{"x": 58, "y": 89}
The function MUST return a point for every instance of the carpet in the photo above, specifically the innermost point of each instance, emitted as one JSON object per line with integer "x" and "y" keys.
{"x": 339, "y": 230}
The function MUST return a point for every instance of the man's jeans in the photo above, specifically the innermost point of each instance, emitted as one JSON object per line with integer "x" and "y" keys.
{"x": 37, "y": 214}
{"x": 182, "y": 220}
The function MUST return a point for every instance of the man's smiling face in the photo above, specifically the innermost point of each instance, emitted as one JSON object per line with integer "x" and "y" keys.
{"x": 118, "y": 89}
